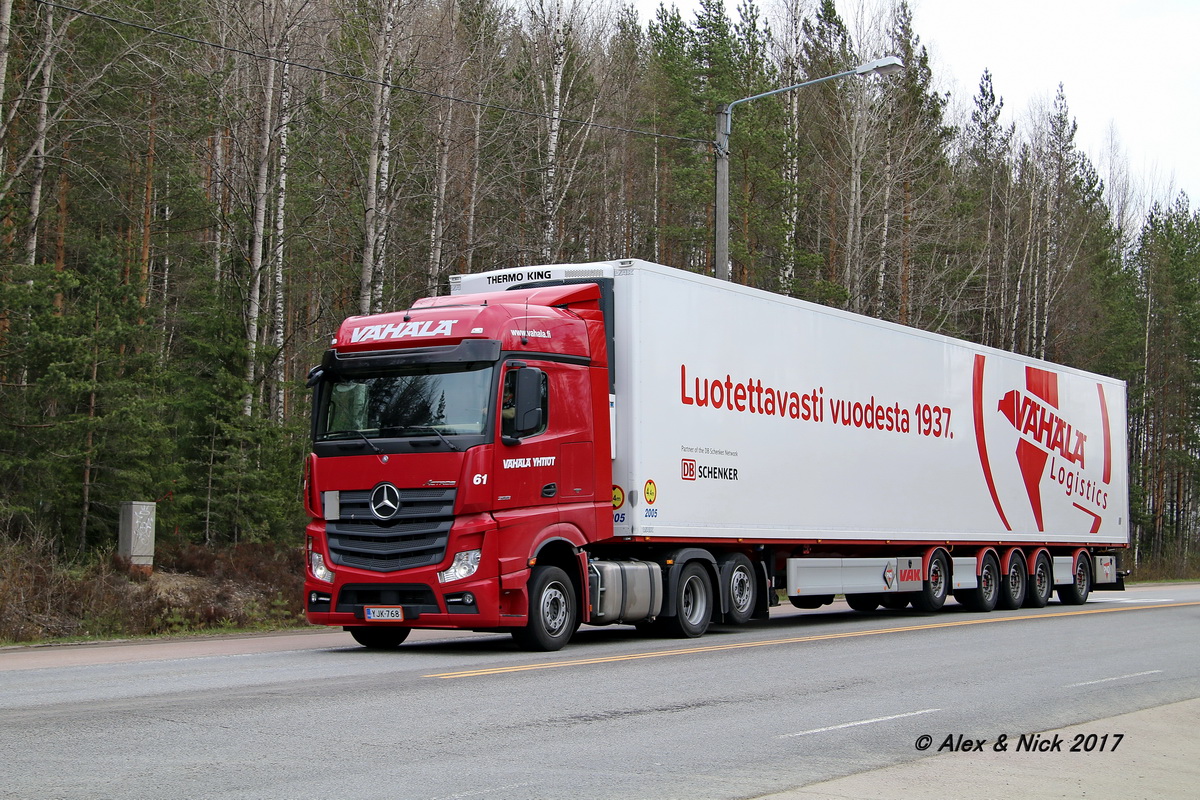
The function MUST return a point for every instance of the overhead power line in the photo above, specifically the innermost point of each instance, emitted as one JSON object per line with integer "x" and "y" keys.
{"x": 359, "y": 79}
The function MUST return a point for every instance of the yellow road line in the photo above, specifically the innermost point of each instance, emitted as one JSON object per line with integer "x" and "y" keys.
{"x": 475, "y": 673}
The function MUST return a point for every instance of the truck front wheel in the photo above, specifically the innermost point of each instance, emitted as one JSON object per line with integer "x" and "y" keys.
{"x": 553, "y": 612}
{"x": 379, "y": 638}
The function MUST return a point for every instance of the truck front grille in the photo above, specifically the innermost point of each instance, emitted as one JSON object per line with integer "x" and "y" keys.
{"x": 416, "y": 536}
{"x": 415, "y": 597}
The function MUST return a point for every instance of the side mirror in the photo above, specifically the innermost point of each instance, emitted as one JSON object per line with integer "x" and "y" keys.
{"x": 527, "y": 403}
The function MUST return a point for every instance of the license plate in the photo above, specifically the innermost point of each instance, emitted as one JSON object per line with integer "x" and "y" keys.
{"x": 387, "y": 613}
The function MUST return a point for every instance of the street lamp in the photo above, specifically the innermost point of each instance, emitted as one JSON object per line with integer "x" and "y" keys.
{"x": 880, "y": 66}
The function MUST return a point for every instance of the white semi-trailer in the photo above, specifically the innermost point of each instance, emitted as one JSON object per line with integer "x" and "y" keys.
{"x": 752, "y": 442}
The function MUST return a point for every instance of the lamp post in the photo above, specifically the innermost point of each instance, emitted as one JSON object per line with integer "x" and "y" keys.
{"x": 880, "y": 66}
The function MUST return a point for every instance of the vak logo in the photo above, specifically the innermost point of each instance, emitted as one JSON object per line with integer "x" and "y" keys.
{"x": 1044, "y": 436}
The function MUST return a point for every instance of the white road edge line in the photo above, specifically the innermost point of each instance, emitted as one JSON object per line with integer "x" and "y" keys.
{"x": 1118, "y": 678}
{"x": 860, "y": 722}
{"x": 1126, "y": 600}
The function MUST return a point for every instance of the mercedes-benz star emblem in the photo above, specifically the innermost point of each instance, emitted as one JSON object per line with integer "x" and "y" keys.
{"x": 385, "y": 501}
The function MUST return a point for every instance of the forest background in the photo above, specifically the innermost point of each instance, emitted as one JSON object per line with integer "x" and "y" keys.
{"x": 193, "y": 195}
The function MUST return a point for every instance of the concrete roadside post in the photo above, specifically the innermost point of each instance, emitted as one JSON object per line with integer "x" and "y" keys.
{"x": 136, "y": 539}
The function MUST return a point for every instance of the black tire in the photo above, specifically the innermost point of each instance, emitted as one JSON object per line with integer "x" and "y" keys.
{"x": 553, "y": 611}
{"x": 1041, "y": 583}
{"x": 693, "y": 603}
{"x": 741, "y": 587}
{"x": 895, "y": 601}
{"x": 650, "y": 627}
{"x": 986, "y": 594}
{"x": 379, "y": 638}
{"x": 935, "y": 588}
{"x": 1014, "y": 584}
{"x": 865, "y": 603}
{"x": 1076, "y": 592}
{"x": 810, "y": 601}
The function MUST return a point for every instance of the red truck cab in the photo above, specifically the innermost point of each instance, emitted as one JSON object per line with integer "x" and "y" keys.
{"x": 457, "y": 451}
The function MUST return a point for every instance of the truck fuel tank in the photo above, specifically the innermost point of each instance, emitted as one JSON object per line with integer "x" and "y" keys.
{"x": 624, "y": 591}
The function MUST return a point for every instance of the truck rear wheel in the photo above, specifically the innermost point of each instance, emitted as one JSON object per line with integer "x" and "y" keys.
{"x": 1014, "y": 584}
{"x": 741, "y": 588}
{"x": 553, "y": 612}
{"x": 693, "y": 603}
{"x": 1076, "y": 592}
{"x": 379, "y": 638}
{"x": 984, "y": 596}
{"x": 1041, "y": 583}
{"x": 935, "y": 588}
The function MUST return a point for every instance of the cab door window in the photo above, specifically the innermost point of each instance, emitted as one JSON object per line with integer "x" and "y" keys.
{"x": 509, "y": 404}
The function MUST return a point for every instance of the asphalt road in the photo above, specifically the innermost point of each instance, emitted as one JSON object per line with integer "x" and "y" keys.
{"x": 803, "y": 700}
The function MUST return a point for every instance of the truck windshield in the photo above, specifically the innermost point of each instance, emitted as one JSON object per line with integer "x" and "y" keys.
{"x": 443, "y": 399}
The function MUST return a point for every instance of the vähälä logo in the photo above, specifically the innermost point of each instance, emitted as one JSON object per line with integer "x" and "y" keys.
{"x": 1045, "y": 437}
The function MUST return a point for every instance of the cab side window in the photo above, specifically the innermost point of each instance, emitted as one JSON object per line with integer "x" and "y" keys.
{"x": 508, "y": 406}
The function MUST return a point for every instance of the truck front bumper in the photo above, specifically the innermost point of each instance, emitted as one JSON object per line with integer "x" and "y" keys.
{"x": 476, "y": 604}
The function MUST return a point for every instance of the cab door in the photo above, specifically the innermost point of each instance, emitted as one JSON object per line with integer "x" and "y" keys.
{"x": 527, "y": 465}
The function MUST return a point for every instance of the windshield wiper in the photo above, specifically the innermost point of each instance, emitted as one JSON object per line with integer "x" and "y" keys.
{"x": 361, "y": 435}
{"x": 435, "y": 432}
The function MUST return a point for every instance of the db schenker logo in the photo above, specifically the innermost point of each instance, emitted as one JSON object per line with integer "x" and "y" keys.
{"x": 690, "y": 471}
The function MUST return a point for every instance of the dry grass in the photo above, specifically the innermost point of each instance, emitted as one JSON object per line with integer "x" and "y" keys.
{"x": 191, "y": 589}
{"x": 1164, "y": 569}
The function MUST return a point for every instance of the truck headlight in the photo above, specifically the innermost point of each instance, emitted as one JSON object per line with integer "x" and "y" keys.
{"x": 316, "y": 563}
{"x": 463, "y": 566}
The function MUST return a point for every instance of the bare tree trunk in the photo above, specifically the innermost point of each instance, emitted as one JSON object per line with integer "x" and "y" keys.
{"x": 549, "y": 186}
{"x": 41, "y": 127}
{"x": 89, "y": 440}
{"x": 258, "y": 229}
{"x": 1018, "y": 297}
{"x": 385, "y": 46}
{"x": 279, "y": 319}
{"x": 5, "y": 38}
{"x": 881, "y": 280}
{"x": 473, "y": 188}
{"x": 906, "y": 301}
{"x": 385, "y": 199}
{"x": 437, "y": 222}
{"x": 147, "y": 208}
{"x": 60, "y": 245}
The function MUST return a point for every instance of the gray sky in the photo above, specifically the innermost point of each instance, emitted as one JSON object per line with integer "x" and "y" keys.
{"x": 1126, "y": 67}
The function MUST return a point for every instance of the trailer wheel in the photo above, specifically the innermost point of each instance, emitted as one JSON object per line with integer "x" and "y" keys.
{"x": 984, "y": 596}
{"x": 935, "y": 588}
{"x": 742, "y": 590}
{"x": 1041, "y": 584}
{"x": 379, "y": 638}
{"x": 553, "y": 615}
{"x": 810, "y": 601}
{"x": 1014, "y": 584}
{"x": 863, "y": 602}
{"x": 693, "y": 603}
{"x": 1076, "y": 592}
